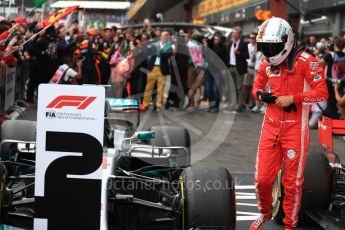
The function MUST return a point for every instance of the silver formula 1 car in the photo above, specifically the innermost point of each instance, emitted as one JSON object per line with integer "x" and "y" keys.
{"x": 150, "y": 181}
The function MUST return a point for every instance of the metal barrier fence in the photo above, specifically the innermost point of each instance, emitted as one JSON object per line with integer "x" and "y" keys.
{"x": 7, "y": 87}
{"x": 12, "y": 88}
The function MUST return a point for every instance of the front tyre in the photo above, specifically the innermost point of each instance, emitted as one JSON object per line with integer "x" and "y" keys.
{"x": 208, "y": 198}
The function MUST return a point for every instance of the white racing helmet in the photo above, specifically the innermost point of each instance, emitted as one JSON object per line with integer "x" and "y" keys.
{"x": 275, "y": 40}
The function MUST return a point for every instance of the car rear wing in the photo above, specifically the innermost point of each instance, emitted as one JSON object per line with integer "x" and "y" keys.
{"x": 327, "y": 128}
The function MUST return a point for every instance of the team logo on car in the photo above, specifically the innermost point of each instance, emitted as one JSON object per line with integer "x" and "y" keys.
{"x": 81, "y": 102}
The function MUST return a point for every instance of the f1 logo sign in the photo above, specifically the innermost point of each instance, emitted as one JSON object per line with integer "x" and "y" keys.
{"x": 69, "y": 153}
{"x": 81, "y": 102}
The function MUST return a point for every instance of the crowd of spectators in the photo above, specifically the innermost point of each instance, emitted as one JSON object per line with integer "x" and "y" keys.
{"x": 330, "y": 53}
{"x": 164, "y": 69}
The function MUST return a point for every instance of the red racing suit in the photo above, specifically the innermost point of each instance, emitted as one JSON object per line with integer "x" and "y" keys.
{"x": 285, "y": 135}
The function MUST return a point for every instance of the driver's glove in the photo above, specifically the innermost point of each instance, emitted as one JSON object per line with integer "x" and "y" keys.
{"x": 291, "y": 107}
{"x": 266, "y": 97}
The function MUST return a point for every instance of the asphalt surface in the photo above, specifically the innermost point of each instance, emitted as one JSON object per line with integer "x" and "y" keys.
{"x": 224, "y": 140}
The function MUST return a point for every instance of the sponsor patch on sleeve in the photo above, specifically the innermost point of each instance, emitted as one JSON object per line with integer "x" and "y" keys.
{"x": 314, "y": 66}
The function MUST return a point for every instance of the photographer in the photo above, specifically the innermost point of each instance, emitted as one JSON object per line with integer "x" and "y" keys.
{"x": 66, "y": 74}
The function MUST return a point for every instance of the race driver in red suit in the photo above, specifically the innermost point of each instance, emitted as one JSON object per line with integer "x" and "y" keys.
{"x": 288, "y": 80}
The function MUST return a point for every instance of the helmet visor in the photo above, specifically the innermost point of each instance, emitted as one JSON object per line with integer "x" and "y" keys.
{"x": 270, "y": 49}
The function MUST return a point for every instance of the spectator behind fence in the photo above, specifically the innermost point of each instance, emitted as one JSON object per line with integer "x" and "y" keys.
{"x": 65, "y": 49}
{"x": 179, "y": 68}
{"x": 238, "y": 53}
{"x": 259, "y": 107}
{"x": 106, "y": 48}
{"x": 45, "y": 65}
{"x": 249, "y": 76}
{"x": 311, "y": 44}
{"x": 214, "y": 79}
{"x": 158, "y": 65}
{"x": 66, "y": 75}
{"x": 138, "y": 76}
{"x": 195, "y": 72}
{"x": 339, "y": 89}
{"x": 335, "y": 70}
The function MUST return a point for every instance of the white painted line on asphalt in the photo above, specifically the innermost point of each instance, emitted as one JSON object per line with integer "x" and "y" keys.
{"x": 248, "y": 213}
{"x": 246, "y": 204}
{"x": 245, "y": 193}
{"x": 238, "y": 187}
{"x": 245, "y": 197}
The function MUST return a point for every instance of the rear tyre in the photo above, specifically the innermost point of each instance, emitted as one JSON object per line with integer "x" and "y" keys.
{"x": 208, "y": 198}
{"x": 317, "y": 188}
{"x": 167, "y": 136}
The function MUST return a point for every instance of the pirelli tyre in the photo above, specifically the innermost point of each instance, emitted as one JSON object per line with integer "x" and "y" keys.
{"x": 16, "y": 130}
{"x": 317, "y": 187}
{"x": 208, "y": 199}
{"x": 166, "y": 136}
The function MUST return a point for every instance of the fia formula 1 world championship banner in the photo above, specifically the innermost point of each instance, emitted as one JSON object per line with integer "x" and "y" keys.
{"x": 70, "y": 124}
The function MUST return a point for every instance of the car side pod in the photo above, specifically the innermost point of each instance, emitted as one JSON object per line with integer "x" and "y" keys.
{"x": 327, "y": 128}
